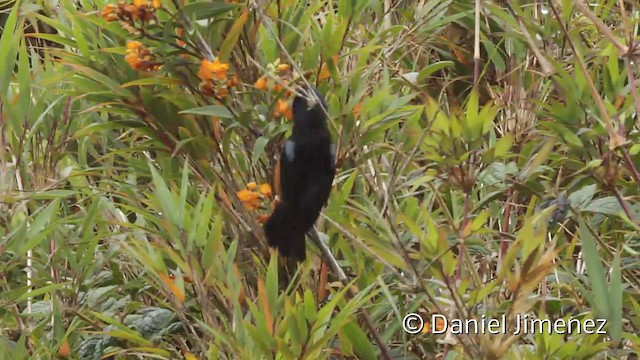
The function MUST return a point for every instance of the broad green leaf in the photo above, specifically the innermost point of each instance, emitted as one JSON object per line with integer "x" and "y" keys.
{"x": 432, "y": 68}
{"x": 9, "y": 40}
{"x": 503, "y": 145}
{"x": 595, "y": 271}
{"x": 361, "y": 344}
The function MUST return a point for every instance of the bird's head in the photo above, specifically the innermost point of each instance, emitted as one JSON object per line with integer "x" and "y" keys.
{"x": 309, "y": 108}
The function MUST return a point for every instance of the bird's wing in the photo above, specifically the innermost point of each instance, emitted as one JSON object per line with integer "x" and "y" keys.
{"x": 287, "y": 172}
{"x": 289, "y": 150}
{"x": 332, "y": 150}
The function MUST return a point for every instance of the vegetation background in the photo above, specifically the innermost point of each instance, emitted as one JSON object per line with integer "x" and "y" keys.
{"x": 488, "y": 164}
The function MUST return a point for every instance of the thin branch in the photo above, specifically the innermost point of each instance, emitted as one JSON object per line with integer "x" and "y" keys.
{"x": 476, "y": 46}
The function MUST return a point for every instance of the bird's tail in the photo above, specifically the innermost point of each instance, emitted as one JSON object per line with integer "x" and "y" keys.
{"x": 283, "y": 232}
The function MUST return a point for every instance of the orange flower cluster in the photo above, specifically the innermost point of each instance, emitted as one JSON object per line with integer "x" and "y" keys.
{"x": 283, "y": 73}
{"x": 140, "y": 57}
{"x": 131, "y": 12}
{"x": 253, "y": 196}
{"x": 283, "y": 108}
{"x": 215, "y": 79}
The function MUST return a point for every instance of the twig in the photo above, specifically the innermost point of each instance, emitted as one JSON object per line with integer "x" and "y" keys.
{"x": 476, "y": 46}
{"x": 625, "y": 207}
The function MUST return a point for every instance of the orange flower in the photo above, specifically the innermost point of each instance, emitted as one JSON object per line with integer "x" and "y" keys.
{"x": 356, "y": 109}
{"x": 265, "y": 189}
{"x": 133, "y": 45}
{"x": 252, "y": 186}
{"x": 179, "y": 41}
{"x": 233, "y": 81}
{"x": 324, "y": 69}
{"x": 222, "y": 92}
{"x": 140, "y": 3}
{"x": 261, "y": 83}
{"x": 132, "y": 11}
{"x": 139, "y": 57}
{"x": 439, "y": 326}
{"x": 110, "y": 12}
{"x": 207, "y": 88}
{"x": 210, "y": 70}
{"x": 250, "y": 199}
{"x": 324, "y": 72}
{"x": 65, "y": 349}
{"x": 283, "y": 67}
{"x": 282, "y": 108}
{"x": 156, "y": 4}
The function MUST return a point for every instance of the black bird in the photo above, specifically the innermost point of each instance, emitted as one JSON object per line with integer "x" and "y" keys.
{"x": 306, "y": 170}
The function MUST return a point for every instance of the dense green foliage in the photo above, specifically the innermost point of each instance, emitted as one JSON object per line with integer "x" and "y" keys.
{"x": 488, "y": 162}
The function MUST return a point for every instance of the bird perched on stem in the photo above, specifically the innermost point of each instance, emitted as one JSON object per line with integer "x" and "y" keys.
{"x": 306, "y": 170}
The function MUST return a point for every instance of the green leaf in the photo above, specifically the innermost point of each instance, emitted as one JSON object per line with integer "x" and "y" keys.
{"x": 615, "y": 300}
{"x": 208, "y": 10}
{"x": 608, "y": 205}
{"x": 474, "y": 123}
{"x": 310, "y": 310}
{"x": 361, "y": 344}
{"x": 164, "y": 196}
{"x": 78, "y": 28}
{"x": 503, "y": 145}
{"x": 432, "y": 68}
{"x": 595, "y": 271}
{"x": 258, "y": 148}
{"x": 41, "y": 291}
{"x": 153, "y": 81}
{"x": 541, "y": 156}
{"x": 232, "y": 36}
{"x": 184, "y": 187}
{"x": 45, "y": 216}
{"x": 272, "y": 283}
{"x": 100, "y": 78}
{"x": 579, "y": 199}
{"x": 211, "y": 110}
{"x": 97, "y": 127}
{"x": 9, "y": 39}
{"x": 24, "y": 74}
